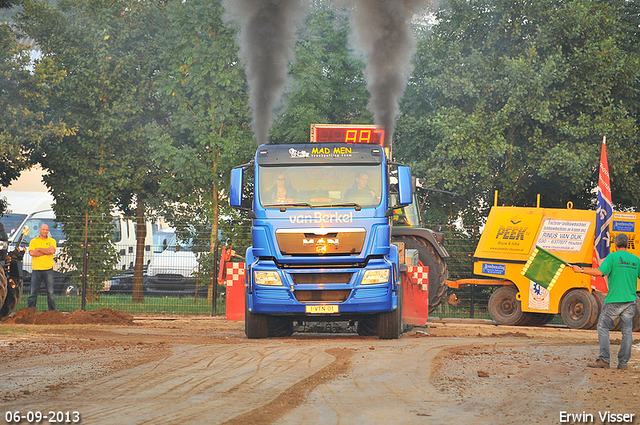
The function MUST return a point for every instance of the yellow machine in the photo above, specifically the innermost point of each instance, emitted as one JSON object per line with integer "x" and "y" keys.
{"x": 509, "y": 237}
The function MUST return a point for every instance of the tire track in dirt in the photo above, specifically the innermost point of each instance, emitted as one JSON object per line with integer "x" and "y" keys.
{"x": 296, "y": 395}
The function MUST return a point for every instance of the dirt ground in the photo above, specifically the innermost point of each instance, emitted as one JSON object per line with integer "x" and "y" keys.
{"x": 111, "y": 367}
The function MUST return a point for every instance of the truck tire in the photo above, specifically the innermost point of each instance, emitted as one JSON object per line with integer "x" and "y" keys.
{"x": 3, "y": 287}
{"x": 504, "y": 307}
{"x": 390, "y": 322}
{"x": 14, "y": 293}
{"x": 255, "y": 325}
{"x": 368, "y": 326}
{"x": 579, "y": 309}
{"x": 279, "y": 327}
{"x": 438, "y": 272}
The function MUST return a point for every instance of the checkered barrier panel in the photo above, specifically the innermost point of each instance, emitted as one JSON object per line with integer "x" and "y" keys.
{"x": 235, "y": 274}
{"x": 419, "y": 275}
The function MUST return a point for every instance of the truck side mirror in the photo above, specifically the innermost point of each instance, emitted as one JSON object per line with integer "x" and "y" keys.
{"x": 235, "y": 198}
{"x": 404, "y": 185}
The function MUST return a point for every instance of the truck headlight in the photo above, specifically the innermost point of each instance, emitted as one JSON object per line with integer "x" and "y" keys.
{"x": 376, "y": 276}
{"x": 267, "y": 278}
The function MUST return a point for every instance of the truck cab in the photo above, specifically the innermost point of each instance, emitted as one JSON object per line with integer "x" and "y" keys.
{"x": 321, "y": 237}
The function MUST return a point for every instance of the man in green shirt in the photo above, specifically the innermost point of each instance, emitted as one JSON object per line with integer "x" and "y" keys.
{"x": 623, "y": 269}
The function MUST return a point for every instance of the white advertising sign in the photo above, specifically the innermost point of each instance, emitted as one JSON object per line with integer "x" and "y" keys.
{"x": 563, "y": 235}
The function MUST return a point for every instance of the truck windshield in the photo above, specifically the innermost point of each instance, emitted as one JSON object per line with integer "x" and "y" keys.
{"x": 320, "y": 186}
{"x": 12, "y": 222}
{"x": 35, "y": 221}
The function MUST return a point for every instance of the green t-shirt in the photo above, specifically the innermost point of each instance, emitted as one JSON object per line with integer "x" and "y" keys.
{"x": 623, "y": 269}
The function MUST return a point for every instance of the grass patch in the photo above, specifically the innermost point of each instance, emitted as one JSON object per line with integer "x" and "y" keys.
{"x": 185, "y": 306}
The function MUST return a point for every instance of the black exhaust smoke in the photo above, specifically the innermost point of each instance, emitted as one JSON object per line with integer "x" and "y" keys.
{"x": 383, "y": 33}
{"x": 267, "y": 40}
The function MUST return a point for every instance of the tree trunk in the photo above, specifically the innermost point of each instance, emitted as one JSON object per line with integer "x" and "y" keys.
{"x": 213, "y": 236}
{"x": 138, "y": 268}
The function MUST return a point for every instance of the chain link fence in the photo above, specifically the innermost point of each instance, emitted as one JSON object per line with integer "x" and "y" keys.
{"x": 180, "y": 267}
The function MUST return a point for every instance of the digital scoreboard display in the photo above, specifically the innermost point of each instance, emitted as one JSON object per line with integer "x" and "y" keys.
{"x": 336, "y": 133}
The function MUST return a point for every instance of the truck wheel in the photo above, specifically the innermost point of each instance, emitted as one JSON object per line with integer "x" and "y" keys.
{"x": 13, "y": 297}
{"x": 504, "y": 307}
{"x": 3, "y": 286}
{"x": 255, "y": 325}
{"x": 368, "y": 326}
{"x": 438, "y": 272}
{"x": 390, "y": 322}
{"x": 279, "y": 327}
{"x": 579, "y": 309}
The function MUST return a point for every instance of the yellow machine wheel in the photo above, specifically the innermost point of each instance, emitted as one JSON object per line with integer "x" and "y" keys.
{"x": 579, "y": 309}
{"x": 505, "y": 308}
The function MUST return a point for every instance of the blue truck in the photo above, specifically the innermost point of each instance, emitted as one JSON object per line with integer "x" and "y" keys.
{"x": 322, "y": 245}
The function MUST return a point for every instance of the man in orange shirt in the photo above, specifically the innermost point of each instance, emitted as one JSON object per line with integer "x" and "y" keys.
{"x": 41, "y": 250}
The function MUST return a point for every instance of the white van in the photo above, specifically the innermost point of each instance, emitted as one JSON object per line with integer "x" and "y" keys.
{"x": 173, "y": 269}
{"x": 32, "y": 209}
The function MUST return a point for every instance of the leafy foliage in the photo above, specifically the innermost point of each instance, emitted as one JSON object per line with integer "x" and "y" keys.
{"x": 23, "y": 103}
{"x": 327, "y": 84}
{"x": 108, "y": 53}
{"x": 203, "y": 86}
{"x": 516, "y": 96}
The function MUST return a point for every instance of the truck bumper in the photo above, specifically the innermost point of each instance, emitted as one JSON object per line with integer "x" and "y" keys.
{"x": 347, "y": 298}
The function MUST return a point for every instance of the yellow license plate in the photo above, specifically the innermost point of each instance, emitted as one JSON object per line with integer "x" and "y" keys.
{"x": 321, "y": 309}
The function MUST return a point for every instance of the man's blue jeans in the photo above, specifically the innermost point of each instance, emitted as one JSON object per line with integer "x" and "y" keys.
{"x": 36, "y": 277}
{"x": 610, "y": 312}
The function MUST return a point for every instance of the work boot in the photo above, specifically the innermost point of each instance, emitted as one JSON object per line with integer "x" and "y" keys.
{"x": 600, "y": 364}
{"x": 623, "y": 367}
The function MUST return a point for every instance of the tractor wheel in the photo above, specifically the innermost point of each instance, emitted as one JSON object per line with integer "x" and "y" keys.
{"x": 14, "y": 293}
{"x": 504, "y": 307}
{"x": 368, "y": 326}
{"x": 3, "y": 287}
{"x": 279, "y": 327}
{"x": 579, "y": 309}
{"x": 390, "y": 322}
{"x": 438, "y": 272}
{"x": 255, "y": 325}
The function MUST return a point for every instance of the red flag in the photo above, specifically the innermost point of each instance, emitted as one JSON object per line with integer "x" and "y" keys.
{"x": 604, "y": 216}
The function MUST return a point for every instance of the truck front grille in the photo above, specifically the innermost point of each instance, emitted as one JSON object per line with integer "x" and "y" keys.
{"x": 320, "y": 278}
{"x": 338, "y": 241}
{"x": 338, "y": 296}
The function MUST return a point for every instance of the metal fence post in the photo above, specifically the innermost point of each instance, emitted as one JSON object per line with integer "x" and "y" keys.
{"x": 84, "y": 262}
{"x": 214, "y": 308}
{"x": 472, "y": 302}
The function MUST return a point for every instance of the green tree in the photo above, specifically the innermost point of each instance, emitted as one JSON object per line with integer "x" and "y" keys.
{"x": 516, "y": 96}
{"x": 204, "y": 87}
{"x": 23, "y": 90}
{"x": 108, "y": 52}
{"x": 326, "y": 84}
